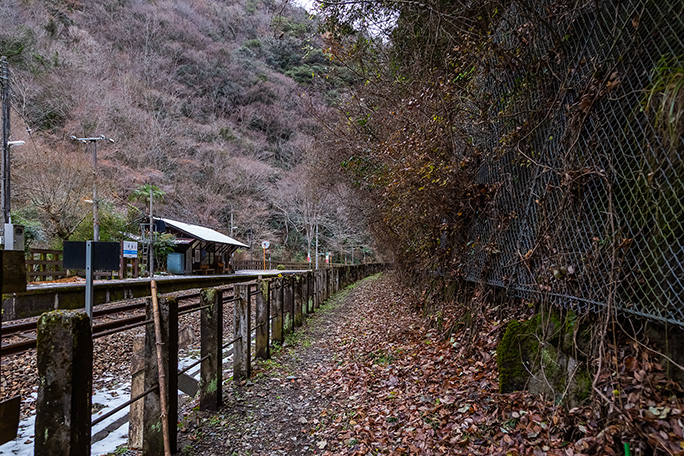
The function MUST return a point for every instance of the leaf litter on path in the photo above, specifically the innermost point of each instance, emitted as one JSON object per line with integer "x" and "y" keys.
{"x": 367, "y": 374}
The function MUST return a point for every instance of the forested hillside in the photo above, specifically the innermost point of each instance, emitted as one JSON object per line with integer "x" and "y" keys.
{"x": 213, "y": 102}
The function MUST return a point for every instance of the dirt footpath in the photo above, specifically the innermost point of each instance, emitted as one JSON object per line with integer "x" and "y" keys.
{"x": 369, "y": 375}
{"x": 292, "y": 398}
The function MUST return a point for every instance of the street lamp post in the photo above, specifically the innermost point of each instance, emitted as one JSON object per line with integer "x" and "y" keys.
{"x": 92, "y": 141}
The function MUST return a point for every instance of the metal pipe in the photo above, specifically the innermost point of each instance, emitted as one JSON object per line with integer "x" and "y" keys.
{"x": 120, "y": 407}
{"x": 187, "y": 368}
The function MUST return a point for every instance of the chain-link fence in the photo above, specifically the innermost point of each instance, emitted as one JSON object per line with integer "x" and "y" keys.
{"x": 585, "y": 157}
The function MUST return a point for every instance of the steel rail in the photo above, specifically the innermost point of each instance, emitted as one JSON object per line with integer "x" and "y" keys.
{"x": 10, "y": 329}
{"x": 99, "y": 329}
{"x": 106, "y": 328}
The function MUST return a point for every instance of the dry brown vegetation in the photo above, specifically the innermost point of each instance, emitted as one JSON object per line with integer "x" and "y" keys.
{"x": 211, "y": 101}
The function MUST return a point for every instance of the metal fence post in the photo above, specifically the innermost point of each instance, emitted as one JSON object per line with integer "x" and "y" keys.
{"x": 262, "y": 318}
{"x": 211, "y": 378}
{"x": 153, "y": 439}
{"x": 65, "y": 368}
{"x": 242, "y": 332}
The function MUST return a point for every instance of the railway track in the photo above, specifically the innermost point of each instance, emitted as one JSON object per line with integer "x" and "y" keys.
{"x": 107, "y": 319}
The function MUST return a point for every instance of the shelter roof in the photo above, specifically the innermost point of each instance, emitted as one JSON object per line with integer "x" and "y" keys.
{"x": 201, "y": 232}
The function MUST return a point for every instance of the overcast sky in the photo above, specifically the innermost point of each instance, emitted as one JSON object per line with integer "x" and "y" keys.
{"x": 308, "y": 4}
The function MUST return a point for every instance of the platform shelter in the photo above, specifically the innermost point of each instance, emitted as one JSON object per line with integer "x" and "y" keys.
{"x": 199, "y": 250}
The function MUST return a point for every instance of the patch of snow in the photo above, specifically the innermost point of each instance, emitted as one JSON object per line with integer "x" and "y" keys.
{"x": 110, "y": 398}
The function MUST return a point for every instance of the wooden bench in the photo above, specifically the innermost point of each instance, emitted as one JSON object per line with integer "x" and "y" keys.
{"x": 206, "y": 270}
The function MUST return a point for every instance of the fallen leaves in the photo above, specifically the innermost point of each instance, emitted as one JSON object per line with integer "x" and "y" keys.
{"x": 400, "y": 388}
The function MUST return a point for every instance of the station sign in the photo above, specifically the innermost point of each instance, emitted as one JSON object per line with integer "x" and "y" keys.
{"x": 130, "y": 249}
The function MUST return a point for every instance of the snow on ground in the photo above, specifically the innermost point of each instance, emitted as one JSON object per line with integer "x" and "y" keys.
{"x": 107, "y": 399}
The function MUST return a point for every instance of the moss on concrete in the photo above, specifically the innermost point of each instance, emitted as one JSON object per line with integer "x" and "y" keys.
{"x": 539, "y": 354}
{"x": 513, "y": 355}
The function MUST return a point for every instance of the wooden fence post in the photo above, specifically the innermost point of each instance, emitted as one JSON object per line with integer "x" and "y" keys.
{"x": 288, "y": 304}
{"x": 277, "y": 310}
{"x": 153, "y": 439}
{"x": 242, "y": 330}
{"x": 211, "y": 371}
{"x": 65, "y": 368}
{"x": 297, "y": 279}
{"x": 135, "y": 413}
{"x": 262, "y": 318}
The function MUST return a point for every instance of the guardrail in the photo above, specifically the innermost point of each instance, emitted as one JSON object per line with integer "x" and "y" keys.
{"x": 65, "y": 356}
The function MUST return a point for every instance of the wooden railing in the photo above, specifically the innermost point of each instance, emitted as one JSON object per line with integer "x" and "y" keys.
{"x": 44, "y": 264}
{"x": 47, "y": 264}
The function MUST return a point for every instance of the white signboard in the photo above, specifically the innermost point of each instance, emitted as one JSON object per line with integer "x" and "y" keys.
{"x": 130, "y": 249}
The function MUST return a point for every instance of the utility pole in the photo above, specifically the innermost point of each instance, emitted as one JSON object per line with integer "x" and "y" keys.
{"x": 151, "y": 265}
{"x": 232, "y": 227}
{"x": 5, "y": 142}
{"x": 6, "y": 145}
{"x": 316, "y": 244}
{"x": 92, "y": 141}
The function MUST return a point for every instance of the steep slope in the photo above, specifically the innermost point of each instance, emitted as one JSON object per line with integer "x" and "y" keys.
{"x": 206, "y": 99}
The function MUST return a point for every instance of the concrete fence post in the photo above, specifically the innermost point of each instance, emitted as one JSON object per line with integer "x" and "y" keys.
{"x": 310, "y": 291}
{"x": 297, "y": 300}
{"x": 65, "y": 369}
{"x": 242, "y": 330}
{"x": 153, "y": 438}
{"x": 316, "y": 287}
{"x": 277, "y": 310}
{"x": 288, "y": 304}
{"x": 329, "y": 282}
{"x": 304, "y": 279}
{"x": 262, "y": 318}
{"x": 211, "y": 370}
{"x": 325, "y": 282}
{"x": 331, "y": 289}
